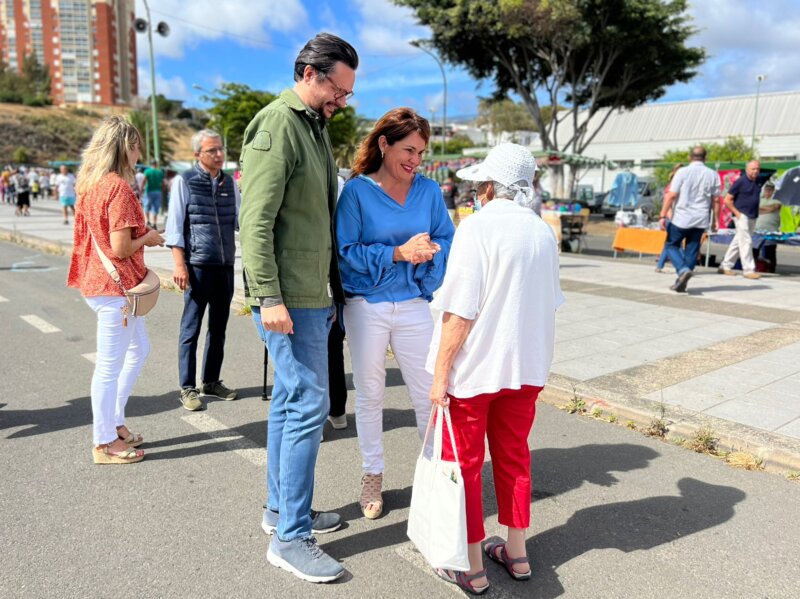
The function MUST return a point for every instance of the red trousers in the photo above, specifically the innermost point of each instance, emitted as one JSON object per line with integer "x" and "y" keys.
{"x": 506, "y": 418}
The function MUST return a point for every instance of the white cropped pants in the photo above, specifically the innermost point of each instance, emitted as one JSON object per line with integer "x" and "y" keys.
{"x": 406, "y": 326}
{"x": 121, "y": 352}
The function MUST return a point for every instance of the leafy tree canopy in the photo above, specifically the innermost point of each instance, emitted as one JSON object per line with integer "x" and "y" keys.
{"x": 233, "y": 106}
{"x": 31, "y": 87}
{"x": 586, "y": 54}
{"x": 142, "y": 121}
{"x": 733, "y": 149}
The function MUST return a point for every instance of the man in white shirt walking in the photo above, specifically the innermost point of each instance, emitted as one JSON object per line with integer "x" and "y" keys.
{"x": 65, "y": 184}
{"x": 694, "y": 192}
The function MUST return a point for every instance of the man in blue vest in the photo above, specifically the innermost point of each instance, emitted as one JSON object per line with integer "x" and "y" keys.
{"x": 203, "y": 215}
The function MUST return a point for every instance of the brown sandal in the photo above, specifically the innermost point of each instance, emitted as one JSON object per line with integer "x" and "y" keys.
{"x": 104, "y": 455}
{"x": 371, "y": 500}
{"x": 497, "y": 553}
{"x": 133, "y": 439}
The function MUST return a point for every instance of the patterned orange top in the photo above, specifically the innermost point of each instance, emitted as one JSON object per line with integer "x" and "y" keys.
{"x": 109, "y": 206}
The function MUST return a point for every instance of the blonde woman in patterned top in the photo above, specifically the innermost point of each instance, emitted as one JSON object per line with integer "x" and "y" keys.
{"x": 108, "y": 211}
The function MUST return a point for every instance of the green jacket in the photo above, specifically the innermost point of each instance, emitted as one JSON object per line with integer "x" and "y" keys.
{"x": 289, "y": 189}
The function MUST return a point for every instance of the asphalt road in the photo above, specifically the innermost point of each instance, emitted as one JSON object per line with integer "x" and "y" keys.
{"x": 615, "y": 514}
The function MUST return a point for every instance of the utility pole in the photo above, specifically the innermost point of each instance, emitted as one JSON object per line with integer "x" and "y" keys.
{"x": 759, "y": 79}
{"x": 421, "y": 46}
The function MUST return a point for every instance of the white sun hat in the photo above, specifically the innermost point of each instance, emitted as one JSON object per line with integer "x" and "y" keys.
{"x": 506, "y": 163}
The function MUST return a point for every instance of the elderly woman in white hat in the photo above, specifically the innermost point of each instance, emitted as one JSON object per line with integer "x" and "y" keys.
{"x": 492, "y": 349}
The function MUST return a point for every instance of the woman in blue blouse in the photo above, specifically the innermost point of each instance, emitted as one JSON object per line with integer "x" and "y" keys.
{"x": 393, "y": 234}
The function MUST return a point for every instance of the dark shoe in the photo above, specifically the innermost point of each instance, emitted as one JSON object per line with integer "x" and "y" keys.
{"x": 682, "y": 281}
{"x": 190, "y": 399}
{"x": 321, "y": 522}
{"x": 219, "y": 390}
{"x": 463, "y": 580}
{"x": 497, "y": 553}
{"x": 304, "y": 558}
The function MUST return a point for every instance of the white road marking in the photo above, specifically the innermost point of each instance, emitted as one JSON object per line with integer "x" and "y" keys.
{"x": 243, "y": 446}
{"x": 39, "y": 323}
{"x": 3, "y": 299}
{"x": 91, "y": 357}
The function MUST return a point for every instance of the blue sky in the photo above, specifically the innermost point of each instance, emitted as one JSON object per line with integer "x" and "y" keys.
{"x": 255, "y": 42}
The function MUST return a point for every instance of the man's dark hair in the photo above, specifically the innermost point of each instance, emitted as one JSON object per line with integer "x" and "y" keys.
{"x": 698, "y": 153}
{"x": 322, "y": 53}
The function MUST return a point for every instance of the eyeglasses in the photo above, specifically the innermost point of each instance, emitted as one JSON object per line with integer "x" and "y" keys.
{"x": 213, "y": 151}
{"x": 340, "y": 92}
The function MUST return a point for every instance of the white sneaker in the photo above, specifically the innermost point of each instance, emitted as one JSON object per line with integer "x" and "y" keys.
{"x": 338, "y": 422}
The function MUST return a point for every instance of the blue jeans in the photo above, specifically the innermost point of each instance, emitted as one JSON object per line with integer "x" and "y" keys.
{"x": 152, "y": 202}
{"x": 210, "y": 286}
{"x": 683, "y": 259}
{"x": 297, "y": 412}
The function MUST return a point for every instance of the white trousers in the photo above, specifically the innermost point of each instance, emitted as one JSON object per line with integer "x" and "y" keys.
{"x": 741, "y": 246}
{"x": 406, "y": 326}
{"x": 121, "y": 352}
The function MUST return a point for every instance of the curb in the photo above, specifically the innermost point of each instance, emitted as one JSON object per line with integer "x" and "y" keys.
{"x": 730, "y": 436}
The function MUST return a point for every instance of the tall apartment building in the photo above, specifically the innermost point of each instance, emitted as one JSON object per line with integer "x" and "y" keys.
{"x": 89, "y": 45}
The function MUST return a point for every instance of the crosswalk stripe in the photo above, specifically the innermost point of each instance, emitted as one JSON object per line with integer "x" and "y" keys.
{"x": 240, "y": 445}
{"x": 91, "y": 357}
{"x": 39, "y": 323}
{"x": 3, "y": 299}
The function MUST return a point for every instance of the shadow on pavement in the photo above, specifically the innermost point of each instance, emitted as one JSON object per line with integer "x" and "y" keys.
{"x": 700, "y": 290}
{"x": 627, "y": 526}
{"x": 555, "y": 471}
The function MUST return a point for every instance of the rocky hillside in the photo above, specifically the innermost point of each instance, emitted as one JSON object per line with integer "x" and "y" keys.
{"x": 52, "y": 133}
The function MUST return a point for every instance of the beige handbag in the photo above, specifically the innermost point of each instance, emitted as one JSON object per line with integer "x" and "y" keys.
{"x": 142, "y": 297}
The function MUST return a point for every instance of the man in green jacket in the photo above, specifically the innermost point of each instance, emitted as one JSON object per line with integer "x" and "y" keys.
{"x": 291, "y": 278}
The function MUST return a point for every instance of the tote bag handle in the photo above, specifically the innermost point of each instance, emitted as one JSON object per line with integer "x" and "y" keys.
{"x": 440, "y": 414}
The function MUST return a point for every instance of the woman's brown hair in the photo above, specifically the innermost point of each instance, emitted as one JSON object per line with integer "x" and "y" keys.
{"x": 394, "y": 125}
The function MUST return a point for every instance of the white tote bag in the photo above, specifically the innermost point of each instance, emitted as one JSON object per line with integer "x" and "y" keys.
{"x": 437, "y": 520}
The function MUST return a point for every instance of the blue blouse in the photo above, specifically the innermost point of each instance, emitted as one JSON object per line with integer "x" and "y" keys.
{"x": 370, "y": 224}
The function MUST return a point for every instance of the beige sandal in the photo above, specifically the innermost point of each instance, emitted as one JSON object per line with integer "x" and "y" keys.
{"x": 133, "y": 439}
{"x": 104, "y": 455}
{"x": 371, "y": 500}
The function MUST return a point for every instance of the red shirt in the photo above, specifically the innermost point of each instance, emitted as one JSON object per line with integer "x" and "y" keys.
{"x": 109, "y": 206}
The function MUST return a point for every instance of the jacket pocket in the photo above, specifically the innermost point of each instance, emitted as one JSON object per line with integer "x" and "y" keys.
{"x": 298, "y": 272}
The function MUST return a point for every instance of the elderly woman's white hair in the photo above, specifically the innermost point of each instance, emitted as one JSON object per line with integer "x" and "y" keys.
{"x": 197, "y": 138}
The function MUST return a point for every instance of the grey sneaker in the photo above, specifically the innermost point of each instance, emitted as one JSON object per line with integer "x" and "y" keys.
{"x": 190, "y": 399}
{"x": 219, "y": 390}
{"x": 321, "y": 522}
{"x": 338, "y": 422}
{"x": 304, "y": 558}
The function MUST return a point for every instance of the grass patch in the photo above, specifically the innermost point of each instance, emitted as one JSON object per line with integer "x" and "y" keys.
{"x": 794, "y": 475}
{"x": 747, "y": 461}
{"x": 612, "y": 418}
{"x": 680, "y": 441}
{"x": 630, "y": 425}
{"x": 704, "y": 441}
{"x": 597, "y": 413}
{"x": 245, "y": 310}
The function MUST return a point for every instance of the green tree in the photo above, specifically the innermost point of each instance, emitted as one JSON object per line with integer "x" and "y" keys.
{"x": 504, "y": 115}
{"x": 36, "y": 78}
{"x": 733, "y": 149}
{"x": 457, "y": 144}
{"x": 143, "y": 121}
{"x": 233, "y": 106}
{"x": 21, "y": 155}
{"x": 592, "y": 56}
{"x": 345, "y": 130}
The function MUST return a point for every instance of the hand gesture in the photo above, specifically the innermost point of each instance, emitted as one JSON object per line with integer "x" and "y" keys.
{"x": 417, "y": 250}
{"x": 153, "y": 238}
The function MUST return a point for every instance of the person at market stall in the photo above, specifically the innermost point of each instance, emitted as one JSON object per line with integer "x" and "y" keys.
{"x": 743, "y": 201}
{"x": 769, "y": 220}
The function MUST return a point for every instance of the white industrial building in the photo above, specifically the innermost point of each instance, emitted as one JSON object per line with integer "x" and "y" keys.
{"x": 638, "y": 138}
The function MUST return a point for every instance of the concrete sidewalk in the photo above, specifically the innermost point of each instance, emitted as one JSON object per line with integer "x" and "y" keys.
{"x": 724, "y": 355}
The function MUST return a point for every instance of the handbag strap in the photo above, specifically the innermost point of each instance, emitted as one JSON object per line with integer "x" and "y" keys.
{"x": 108, "y": 265}
{"x": 441, "y": 414}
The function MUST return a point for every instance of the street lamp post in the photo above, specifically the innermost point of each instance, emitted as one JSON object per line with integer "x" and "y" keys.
{"x": 759, "y": 79}
{"x": 142, "y": 25}
{"x": 419, "y": 44}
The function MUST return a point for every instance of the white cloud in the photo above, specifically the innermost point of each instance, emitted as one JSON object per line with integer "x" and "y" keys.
{"x": 174, "y": 88}
{"x": 744, "y": 38}
{"x": 391, "y": 39}
{"x": 244, "y": 21}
